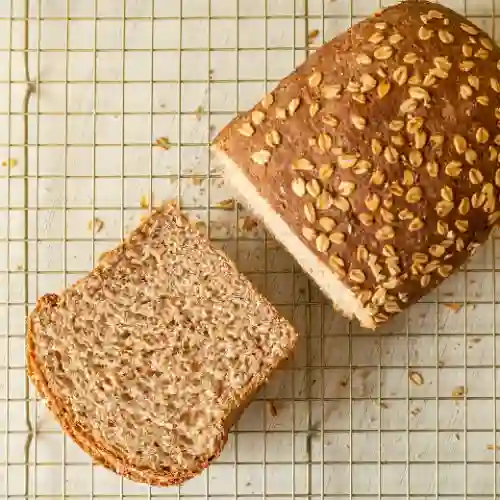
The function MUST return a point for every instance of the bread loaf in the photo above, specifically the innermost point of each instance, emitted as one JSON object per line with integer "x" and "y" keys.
{"x": 149, "y": 360}
{"x": 376, "y": 162}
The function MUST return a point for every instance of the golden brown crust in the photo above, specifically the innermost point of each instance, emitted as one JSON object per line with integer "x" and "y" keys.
{"x": 99, "y": 451}
{"x": 347, "y": 150}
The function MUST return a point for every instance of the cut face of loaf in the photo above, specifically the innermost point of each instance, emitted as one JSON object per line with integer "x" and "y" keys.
{"x": 376, "y": 162}
{"x": 149, "y": 360}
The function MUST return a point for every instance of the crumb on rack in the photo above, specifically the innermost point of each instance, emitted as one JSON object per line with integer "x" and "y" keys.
{"x": 143, "y": 201}
{"x": 454, "y": 306}
{"x": 197, "y": 181}
{"x": 416, "y": 411}
{"x": 272, "y": 408}
{"x": 199, "y": 112}
{"x": 200, "y": 225}
{"x": 228, "y": 204}
{"x": 416, "y": 378}
{"x": 248, "y": 223}
{"x": 459, "y": 392}
{"x": 10, "y": 163}
{"x": 313, "y": 34}
{"x": 163, "y": 143}
{"x": 95, "y": 225}
{"x": 492, "y": 447}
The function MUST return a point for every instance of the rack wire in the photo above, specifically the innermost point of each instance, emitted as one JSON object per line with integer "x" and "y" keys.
{"x": 87, "y": 89}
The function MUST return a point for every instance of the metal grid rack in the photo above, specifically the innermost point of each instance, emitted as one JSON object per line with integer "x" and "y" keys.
{"x": 87, "y": 87}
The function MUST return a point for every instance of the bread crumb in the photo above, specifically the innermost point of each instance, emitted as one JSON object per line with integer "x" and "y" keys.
{"x": 199, "y": 112}
{"x": 196, "y": 181}
{"x": 313, "y": 34}
{"x": 143, "y": 201}
{"x": 492, "y": 447}
{"x": 459, "y": 392}
{"x": 228, "y": 204}
{"x": 10, "y": 163}
{"x": 416, "y": 411}
{"x": 382, "y": 404}
{"x": 19, "y": 267}
{"x": 95, "y": 225}
{"x": 249, "y": 223}
{"x": 200, "y": 225}
{"x": 454, "y": 306}
{"x": 272, "y": 408}
{"x": 416, "y": 378}
{"x": 163, "y": 143}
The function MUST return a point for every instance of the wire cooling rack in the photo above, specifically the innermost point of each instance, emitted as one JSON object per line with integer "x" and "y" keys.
{"x": 106, "y": 108}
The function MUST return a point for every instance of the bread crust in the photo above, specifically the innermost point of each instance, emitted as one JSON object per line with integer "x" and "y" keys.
{"x": 352, "y": 136}
{"x": 98, "y": 450}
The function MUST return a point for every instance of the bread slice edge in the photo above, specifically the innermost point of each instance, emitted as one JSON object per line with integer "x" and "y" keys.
{"x": 98, "y": 451}
{"x": 342, "y": 298}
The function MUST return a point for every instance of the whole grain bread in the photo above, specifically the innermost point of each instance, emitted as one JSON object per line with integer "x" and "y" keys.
{"x": 376, "y": 162}
{"x": 149, "y": 360}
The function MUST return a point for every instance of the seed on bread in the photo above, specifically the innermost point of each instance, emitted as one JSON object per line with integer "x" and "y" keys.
{"x": 293, "y": 106}
{"x": 299, "y": 186}
{"x": 383, "y": 53}
{"x": 261, "y": 157}
{"x": 315, "y": 79}
{"x": 246, "y": 130}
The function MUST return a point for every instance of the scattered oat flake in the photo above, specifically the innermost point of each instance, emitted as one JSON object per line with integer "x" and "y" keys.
{"x": 459, "y": 392}
{"x": 228, "y": 204}
{"x": 163, "y": 143}
{"x": 95, "y": 225}
{"x": 143, "y": 201}
{"x": 272, "y": 408}
{"x": 313, "y": 34}
{"x": 10, "y": 163}
{"x": 199, "y": 112}
{"x": 416, "y": 378}
{"x": 454, "y": 306}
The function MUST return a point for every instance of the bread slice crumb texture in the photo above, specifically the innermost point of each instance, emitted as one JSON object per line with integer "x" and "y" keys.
{"x": 147, "y": 361}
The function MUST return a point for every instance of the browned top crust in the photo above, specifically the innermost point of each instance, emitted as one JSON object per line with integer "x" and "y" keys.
{"x": 381, "y": 151}
{"x": 148, "y": 360}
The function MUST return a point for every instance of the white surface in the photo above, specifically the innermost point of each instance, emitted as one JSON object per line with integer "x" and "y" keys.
{"x": 331, "y": 435}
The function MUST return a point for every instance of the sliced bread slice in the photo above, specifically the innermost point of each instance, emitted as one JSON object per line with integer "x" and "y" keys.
{"x": 149, "y": 360}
